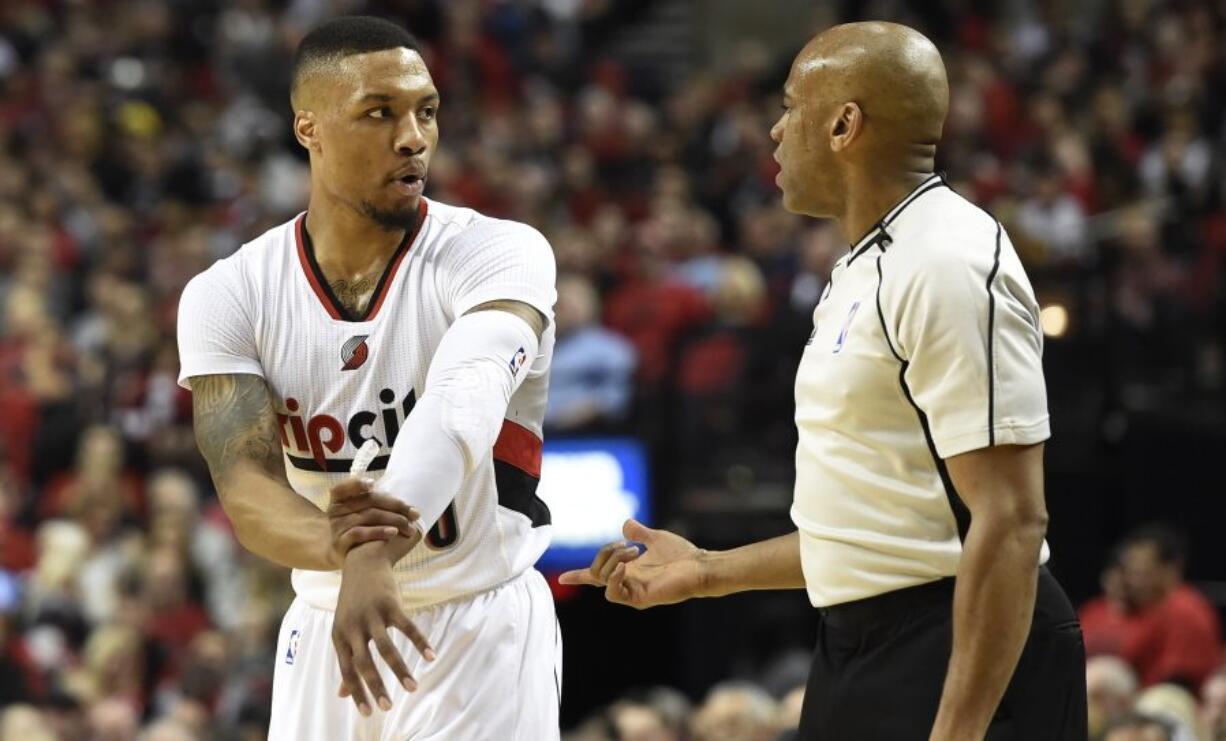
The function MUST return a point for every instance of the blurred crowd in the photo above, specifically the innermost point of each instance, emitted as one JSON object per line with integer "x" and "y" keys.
{"x": 140, "y": 140}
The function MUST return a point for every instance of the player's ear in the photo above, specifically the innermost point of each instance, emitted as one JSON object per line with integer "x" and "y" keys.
{"x": 846, "y": 126}
{"x": 305, "y": 130}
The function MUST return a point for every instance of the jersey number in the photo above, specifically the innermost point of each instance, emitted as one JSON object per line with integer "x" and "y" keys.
{"x": 446, "y": 531}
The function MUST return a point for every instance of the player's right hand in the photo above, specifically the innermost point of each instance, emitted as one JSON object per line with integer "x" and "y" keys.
{"x": 669, "y": 570}
{"x": 368, "y": 607}
{"x": 358, "y": 514}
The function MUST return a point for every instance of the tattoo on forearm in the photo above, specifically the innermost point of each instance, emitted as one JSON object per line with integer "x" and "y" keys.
{"x": 354, "y": 294}
{"x": 235, "y": 422}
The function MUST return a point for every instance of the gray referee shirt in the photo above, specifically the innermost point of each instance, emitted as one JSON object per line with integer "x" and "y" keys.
{"x": 926, "y": 344}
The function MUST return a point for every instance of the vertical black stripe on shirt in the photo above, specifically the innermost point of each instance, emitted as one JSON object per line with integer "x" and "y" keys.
{"x": 881, "y": 315}
{"x": 962, "y": 515}
{"x": 991, "y": 332}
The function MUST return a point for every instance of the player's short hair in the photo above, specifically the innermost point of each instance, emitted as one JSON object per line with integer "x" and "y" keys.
{"x": 341, "y": 37}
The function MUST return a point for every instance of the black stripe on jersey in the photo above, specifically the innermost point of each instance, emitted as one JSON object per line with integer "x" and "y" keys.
{"x": 883, "y": 238}
{"x": 308, "y": 247}
{"x": 517, "y": 492}
{"x": 991, "y": 332}
{"x": 334, "y": 465}
{"x": 962, "y": 515}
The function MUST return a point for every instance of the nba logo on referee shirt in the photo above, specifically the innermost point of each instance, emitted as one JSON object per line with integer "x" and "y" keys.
{"x": 354, "y": 352}
{"x": 291, "y": 650}
{"x": 851, "y": 314}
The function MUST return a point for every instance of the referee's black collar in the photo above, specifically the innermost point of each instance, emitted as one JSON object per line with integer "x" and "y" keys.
{"x": 878, "y": 235}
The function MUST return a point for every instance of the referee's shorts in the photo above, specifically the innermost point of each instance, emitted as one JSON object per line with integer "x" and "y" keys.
{"x": 880, "y": 664}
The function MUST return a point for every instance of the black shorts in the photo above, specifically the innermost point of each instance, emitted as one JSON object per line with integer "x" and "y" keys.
{"x": 880, "y": 664}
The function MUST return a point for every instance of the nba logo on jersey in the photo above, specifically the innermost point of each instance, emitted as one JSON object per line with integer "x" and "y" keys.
{"x": 851, "y": 314}
{"x": 292, "y": 649}
{"x": 354, "y": 352}
{"x": 517, "y": 362}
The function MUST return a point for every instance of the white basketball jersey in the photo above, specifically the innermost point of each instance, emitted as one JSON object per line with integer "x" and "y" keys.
{"x": 338, "y": 381}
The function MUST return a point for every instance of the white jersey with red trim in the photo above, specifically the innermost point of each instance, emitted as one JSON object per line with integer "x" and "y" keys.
{"x": 338, "y": 381}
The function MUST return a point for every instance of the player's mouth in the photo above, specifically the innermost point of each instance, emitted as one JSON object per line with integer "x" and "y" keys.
{"x": 410, "y": 185}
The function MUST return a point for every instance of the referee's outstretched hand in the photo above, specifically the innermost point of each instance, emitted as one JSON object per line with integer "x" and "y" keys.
{"x": 668, "y": 570}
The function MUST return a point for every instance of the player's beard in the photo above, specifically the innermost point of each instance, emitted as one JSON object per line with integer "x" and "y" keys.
{"x": 391, "y": 219}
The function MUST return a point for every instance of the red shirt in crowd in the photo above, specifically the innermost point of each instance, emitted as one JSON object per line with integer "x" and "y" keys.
{"x": 1177, "y": 639}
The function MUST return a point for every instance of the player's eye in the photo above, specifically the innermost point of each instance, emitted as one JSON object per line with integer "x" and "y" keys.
{"x": 380, "y": 112}
{"x": 428, "y": 113}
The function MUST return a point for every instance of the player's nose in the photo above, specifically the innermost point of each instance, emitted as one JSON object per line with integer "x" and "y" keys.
{"x": 410, "y": 139}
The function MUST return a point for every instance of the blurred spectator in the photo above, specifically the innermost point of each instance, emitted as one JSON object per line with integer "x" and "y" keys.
{"x": 1177, "y": 707}
{"x": 24, "y": 722}
{"x": 1111, "y": 688}
{"x": 735, "y": 712}
{"x": 1213, "y": 706}
{"x": 1139, "y": 728}
{"x": 591, "y": 382}
{"x": 637, "y": 722}
{"x": 1161, "y": 626}
{"x": 1055, "y": 218}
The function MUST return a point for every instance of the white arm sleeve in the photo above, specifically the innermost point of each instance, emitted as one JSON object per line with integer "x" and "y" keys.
{"x": 215, "y": 331}
{"x": 967, "y": 326}
{"x": 481, "y": 361}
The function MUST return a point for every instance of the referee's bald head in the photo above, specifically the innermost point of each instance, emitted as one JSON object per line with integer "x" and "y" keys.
{"x": 861, "y": 98}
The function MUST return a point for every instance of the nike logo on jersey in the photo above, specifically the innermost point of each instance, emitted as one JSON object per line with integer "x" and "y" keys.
{"x": 354, "y": 352}
{"x": 308, "y": 442}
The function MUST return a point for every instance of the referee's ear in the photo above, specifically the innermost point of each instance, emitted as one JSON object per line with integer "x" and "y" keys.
{"x": 846, "y": 127}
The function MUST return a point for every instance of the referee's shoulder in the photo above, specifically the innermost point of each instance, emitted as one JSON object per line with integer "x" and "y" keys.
{"x": 950, "y": 233}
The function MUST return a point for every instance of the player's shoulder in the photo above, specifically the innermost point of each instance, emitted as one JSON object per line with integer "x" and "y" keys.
{"x": 261, "y": 256}
{"x": 466, "y": 232}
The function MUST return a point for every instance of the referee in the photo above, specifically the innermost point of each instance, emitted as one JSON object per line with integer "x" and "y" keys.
{"x": 921, "y": 411}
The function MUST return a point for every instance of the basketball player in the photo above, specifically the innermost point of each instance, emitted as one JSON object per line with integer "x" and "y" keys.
{"x": 922, "y": 411}
{"x": 379, "y": 315}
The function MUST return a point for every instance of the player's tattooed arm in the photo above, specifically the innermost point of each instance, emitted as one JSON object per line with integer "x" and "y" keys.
{"x": 236, "y": 430}
{"x": 235, "y": 426}
{"x": 529, "y": 314}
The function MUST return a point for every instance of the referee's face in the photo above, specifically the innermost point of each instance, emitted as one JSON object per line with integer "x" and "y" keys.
{"x": 807, "y": 168}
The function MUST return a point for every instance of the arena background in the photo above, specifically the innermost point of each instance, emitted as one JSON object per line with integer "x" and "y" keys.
{"x": 142, "y": 140}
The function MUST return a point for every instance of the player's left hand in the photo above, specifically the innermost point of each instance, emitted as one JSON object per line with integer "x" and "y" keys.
{"x": 368, "y": 606}
{"x": 358, "y": 514}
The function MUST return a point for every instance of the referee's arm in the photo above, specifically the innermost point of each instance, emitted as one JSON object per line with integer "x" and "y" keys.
{"x": 672, "y": 569}
{"x": 994, "y": 592}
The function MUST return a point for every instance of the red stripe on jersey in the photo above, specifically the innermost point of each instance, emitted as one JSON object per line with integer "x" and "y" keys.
{"x": 310, "y": 274}
{"x": 520, "y": 447}
{"x": 314, "y": 276}
{"x": 391, "y": 273}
